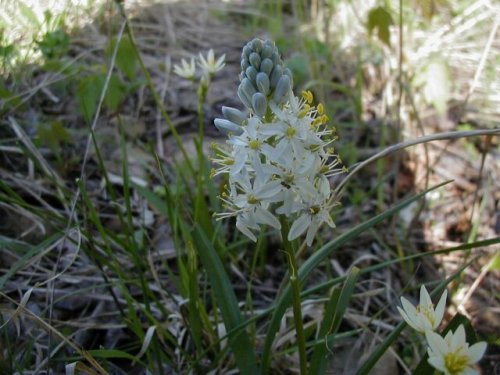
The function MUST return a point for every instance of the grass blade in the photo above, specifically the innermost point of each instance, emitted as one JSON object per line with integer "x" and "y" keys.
{"x": 333, "y": 315}
{"x": 221, "y": 286}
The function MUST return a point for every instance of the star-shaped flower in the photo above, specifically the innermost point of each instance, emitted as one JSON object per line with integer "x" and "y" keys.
{"x": 187, "y": 70}
{"x": 452, "y": 355}
{"x": 423, "y": 317}
{"x": 209, "y": 65}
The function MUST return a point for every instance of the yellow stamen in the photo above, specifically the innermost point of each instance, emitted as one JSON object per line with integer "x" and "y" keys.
{"x": 254, "y": 144}
{"x": 455, "y": 363}
{"x": 252, "y": 199}
{"x": 321, "y": 109}
{"x": 308, "y": 96}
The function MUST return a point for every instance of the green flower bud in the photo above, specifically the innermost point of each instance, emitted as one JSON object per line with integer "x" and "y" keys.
{"x": 266, "y": 66}
{"x": 247, "y": 101}
{"x": 262, "y": 82}
{"x": 234, "y": 115}
{"x": 254, "y": 59}
{"x": 259, "y": 104}
{"x": 267, "y": 51}
{"x": 276, "y": 75}
{"x": 247, "y": 87}
{"x": 288, "y": 73}
{"x": 282, "y": 88}
{"x": 257, "y": 45}
{"x": 247, "y": 50}
{"x": 275, "y": 57}
{"x": 251, "y": 73}
{"x": 244, "y": 64}
{"x": 227, "y": 126}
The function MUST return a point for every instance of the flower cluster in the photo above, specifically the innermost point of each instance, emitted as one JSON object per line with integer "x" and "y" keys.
{"x": 451, "y": 354}
{"x": 280, "y": 155}
{"x": 209, "y": 66}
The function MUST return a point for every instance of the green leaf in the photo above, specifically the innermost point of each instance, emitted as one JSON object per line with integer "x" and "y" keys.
{"x": 334, "y": 312}
{"x": 315, "y": 260}
{"x": 239, "y": 341}
{"x": 115, "y": 94}
{"x": 379, "y": 18}
{"x": 112, "y": 353}
{"x": 126, "y": 59}
{"x": 89, "y": 92}
{"x": 53, "y": 135}
{"x": 30, "y": 252}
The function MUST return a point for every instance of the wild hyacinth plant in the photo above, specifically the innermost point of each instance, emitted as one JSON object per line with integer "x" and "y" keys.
{"x": 279, "y": 160}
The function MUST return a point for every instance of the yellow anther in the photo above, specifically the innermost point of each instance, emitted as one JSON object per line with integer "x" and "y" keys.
{"x": 317, "y": 122}
{"x": 308, "y": 96}
{"x": 321, "y": 109}
{"x": 305, "y": 110}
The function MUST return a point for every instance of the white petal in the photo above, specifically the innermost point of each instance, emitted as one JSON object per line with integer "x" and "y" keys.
{"x": 299, "y": 226}
{"x": 265, "y": 217}
{"x": 469, "y": 371}
{"x": 476, "y": 351}
{"x": 439, "y": 312}
{"x": 311, "y": 232}
{"x": 243, "y": 229}
{"x": 405, "y": 317}
{"x": 425, "y": 299}
{"x": 436, "y": 343}
{"x": 458, "y": 337}
{"x": 411, "y": 314}
{"x": 268, "y": 190}
{"x": 437, "y": 363}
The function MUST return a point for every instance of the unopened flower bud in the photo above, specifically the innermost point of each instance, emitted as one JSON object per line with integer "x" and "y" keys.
{"x": 227, "y": 126}
{"x": 276, "y": 75}
{"x": 244, "y": 64}
{"x": 266, "y": 66}
{"x": 254, "y": 59}
{"x": 267, "y": 51}
{"x": 246, "y": 100}
{"x": 247, "y": 87}
{"x": 259, "y": 104}
{"x": 282, "y": 88}
{"x": 262, "y": 82}
{"x": 247, "y": 50}
{"x": 234, "y": 115}
{"x": 257, "y": 45}
{"x": 251, "y": 73}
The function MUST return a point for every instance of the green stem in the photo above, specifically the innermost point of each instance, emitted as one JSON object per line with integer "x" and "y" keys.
{"x": 295, "y": 284}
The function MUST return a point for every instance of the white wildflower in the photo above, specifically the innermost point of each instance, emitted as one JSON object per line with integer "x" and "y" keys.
{"x": 209, "y": 65}
{"x": 424, "y": 317}
{"x": 187, "y": 70}
{"x": 452, "y": 355}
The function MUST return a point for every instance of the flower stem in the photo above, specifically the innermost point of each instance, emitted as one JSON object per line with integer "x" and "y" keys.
{"x": 295, "y": 284}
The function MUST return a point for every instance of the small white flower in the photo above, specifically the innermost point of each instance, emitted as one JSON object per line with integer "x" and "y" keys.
{"x": 187, "y": 70}
{"x": 209, "y": 65}
{"x": 310, "y": 220}
{"x": 452, "y": 355}
{"x": 423, "y": 317}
